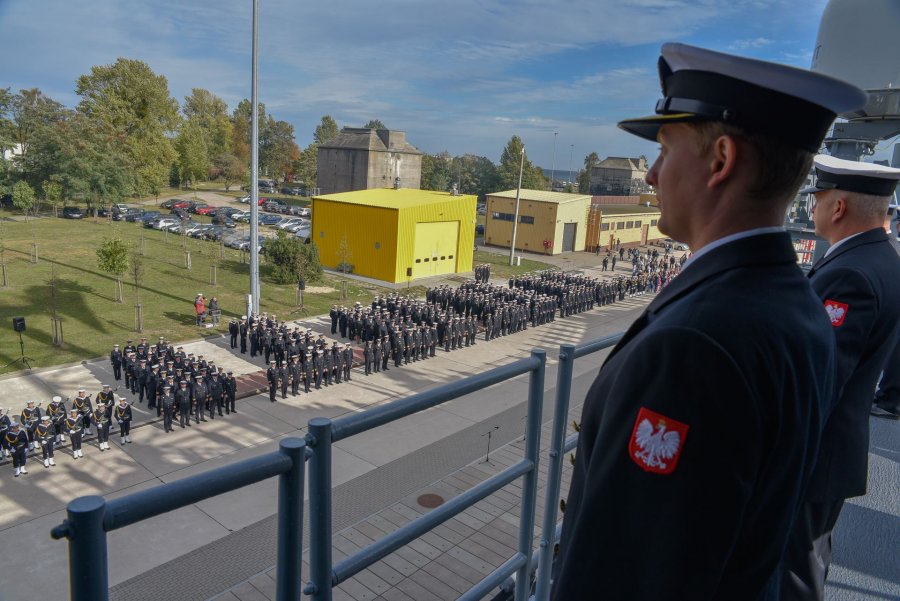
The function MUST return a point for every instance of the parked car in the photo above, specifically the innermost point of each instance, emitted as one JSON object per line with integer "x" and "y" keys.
{"x": 72, "y": 213}
{"x": 119, "y": 207}
{"x": 288, "y": 222}
{"x": 180, "y": 213}
{"x": 215, "y": 233}
{"x": 262, "y": 200}
{"x": 149, "y": 216}
{"x": 304, "y": 212}
{"x": 479, "y": 229}
{"x": 196, "y": 205}
{"x": 241, "y": 216}
{"x": 245, "y": 244}
{"x": 270, "y": 219}
{"x": 244, "y": 199}
{"x": 303, "y": 223}
{"x": 103, "y": 212}
{"x": 303, "y": 233}
{"x": 165, "y": 222}
{"x": 134, "y": 215}
{"x": 224, "y": 220}
{"x": 273, "y": 206}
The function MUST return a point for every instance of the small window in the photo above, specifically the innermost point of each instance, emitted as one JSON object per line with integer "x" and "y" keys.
{"x": 637, "y": 224}
{"x": 620, "y": 225}
{"x": 526, "y": 219}
{"x": 377, "y": 245}
{"x": 604, "y": 227}
{"x": 443, "y": 257}
{"x": 653, "y": 222}
{"x": 629, "y": 225}
{"x": 426, "y": 259}
{"x": 418, "y": 260}
{"x": 450, "y": 256}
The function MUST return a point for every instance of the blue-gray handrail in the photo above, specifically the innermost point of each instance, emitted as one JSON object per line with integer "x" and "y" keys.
{"x": 90, "y": 518}
{"x": 324, "y": 432}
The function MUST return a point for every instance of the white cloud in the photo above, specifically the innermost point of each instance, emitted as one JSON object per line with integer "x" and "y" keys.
{"x": 749, "y": 44}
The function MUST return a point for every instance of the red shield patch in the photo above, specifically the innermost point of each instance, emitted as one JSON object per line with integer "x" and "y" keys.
{"x": 837, "y": 311}
{"x": 656, "y": 442}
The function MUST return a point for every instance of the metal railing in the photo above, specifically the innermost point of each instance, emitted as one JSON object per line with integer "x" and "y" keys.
{"x": 90, "y": 518}
{"x": 323, "y": 433}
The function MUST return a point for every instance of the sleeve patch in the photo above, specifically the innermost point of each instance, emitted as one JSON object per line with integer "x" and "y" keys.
{"x": 837, "y": 311}
{"x": 656, "y": 442}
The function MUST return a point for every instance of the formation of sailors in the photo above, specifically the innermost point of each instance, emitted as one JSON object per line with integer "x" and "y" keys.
{"x": 36, "y": 431}
{"x": 394, "y": 328}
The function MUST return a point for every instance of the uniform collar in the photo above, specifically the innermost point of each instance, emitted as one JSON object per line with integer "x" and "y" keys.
{"x": 760, "y": 248}
{"x": 849, "y": 243}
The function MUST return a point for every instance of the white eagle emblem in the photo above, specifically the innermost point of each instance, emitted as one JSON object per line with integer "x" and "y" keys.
{"x": 835, "y": 313}
{"x": 657, "y": 445}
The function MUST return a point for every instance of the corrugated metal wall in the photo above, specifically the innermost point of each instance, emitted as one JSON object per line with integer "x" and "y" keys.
{"x": 456, "y": 208}
{"x": 371, "y": 234}
{"x": 382, "y": 240}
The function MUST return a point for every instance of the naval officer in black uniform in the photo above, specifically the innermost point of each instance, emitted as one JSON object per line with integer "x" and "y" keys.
{"x": 699, "y": 434}
{"x": 858, "y": 281}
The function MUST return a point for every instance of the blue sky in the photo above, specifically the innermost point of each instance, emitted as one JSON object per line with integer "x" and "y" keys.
{"x": 461, "y": 76}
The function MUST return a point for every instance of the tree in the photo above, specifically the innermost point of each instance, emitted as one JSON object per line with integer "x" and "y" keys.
{"x": 292, "y": 259}
{"x": 137, "y": 275}
{"x": 210, "y": 114}
{"x": 436, "y": 172}
{"x": 193, "y": 159}
{"x": 112, "y": 257}
{"x": 23, "y": 197}
{"x": 306, "y": 167}
{"x": 508, "y": 172}
{"x": 475, "y": 175}
{"x": 240, "y": 129}
{"x": 231, "y": 169}
{"x": 374, "y": 124}
{"x": 52, "y": 194}
{"x": 277, "y": 149}
{"x": 91, "y": 161}
{"x": 130, "y": 98}
{"x": 584, "y": 175}
{"x": 326, "y": 130}
{"x": 344, "y": 254}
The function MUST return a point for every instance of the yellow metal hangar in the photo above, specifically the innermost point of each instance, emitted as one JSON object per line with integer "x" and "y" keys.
{"x": 392, "y": 232}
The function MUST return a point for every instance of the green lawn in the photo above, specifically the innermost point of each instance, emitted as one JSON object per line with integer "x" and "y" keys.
{"x": 93, "y": 321}
{"x": 500, "y": 267}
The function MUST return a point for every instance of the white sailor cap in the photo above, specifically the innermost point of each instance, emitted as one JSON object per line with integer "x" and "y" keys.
{"x": 57, "y": 399}
{"x": 853, "y": 176}
{"x": 794, "y": 105}
{"x": 45, "y": 418}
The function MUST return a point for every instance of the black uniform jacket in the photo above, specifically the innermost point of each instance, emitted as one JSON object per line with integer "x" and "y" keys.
{"x": 859, "y": 284}
{"x": 699, "y": 434}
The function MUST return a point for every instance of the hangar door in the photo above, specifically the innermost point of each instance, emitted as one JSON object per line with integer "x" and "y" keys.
{"x": 435, "y": 248}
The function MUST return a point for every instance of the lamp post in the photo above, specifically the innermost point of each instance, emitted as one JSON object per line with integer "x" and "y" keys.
{"x": 254, "y": 169}
{"x": 553, "y": 166}
{"x": 512, "y": 246}
{"x": 571, "y": 164}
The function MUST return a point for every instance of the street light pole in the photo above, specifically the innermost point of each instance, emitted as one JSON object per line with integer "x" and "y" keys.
{"x": 572, "y": 164}
{"x": 512, "y": 246}
{"x": 553, "y": 167}
{"x": 254, "y": 168}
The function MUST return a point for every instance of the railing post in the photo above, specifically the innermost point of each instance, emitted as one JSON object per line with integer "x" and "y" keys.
{"x": 554, "y": 473}
{"x": 319, "y": 586}
{"x": 88, "y": 572}
{"x": 530, "y": 480}
{"x": 290, "y": 521}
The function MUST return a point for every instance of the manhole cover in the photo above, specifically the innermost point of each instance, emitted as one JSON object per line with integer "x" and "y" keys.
{"x": 430, "y": 500}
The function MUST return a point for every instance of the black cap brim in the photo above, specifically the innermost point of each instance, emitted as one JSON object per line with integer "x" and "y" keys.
{"x": 648, "y": 127}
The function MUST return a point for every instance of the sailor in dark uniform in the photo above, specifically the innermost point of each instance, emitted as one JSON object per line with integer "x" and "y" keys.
{"x": 272, "y": 379}
{"x": 122, "y": 414}
{"x": 75, "y": 428}
{"x": 230, "y": 385}
{"x": 233, "y": 331}
{"x": 46, "y": 435}
{"x": 347, "y": 361}
{"x": 167, "y": 404}
{"x": 858, "y": 281}
{"x": 115, "y": 359}
{"x": 183, "y": 399}
{"x": 699, "y": 434}
{"x": 17, "y": 442}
